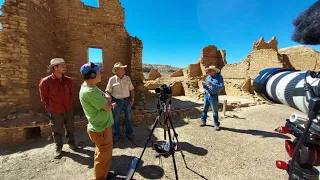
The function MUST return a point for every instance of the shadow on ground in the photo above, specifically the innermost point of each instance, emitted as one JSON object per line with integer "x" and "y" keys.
{"x": 121, "y": 166}
{"x": 175, "y": 103}
{"x": 254, "y": 132}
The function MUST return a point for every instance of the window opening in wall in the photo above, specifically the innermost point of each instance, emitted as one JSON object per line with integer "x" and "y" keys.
{"x": 0, "y": 27}
{"x": 95, "y": 56}
{"x": 92, "y": 3}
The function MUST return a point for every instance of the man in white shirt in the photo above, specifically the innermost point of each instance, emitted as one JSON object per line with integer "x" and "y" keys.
{"x": 121, "y": 90}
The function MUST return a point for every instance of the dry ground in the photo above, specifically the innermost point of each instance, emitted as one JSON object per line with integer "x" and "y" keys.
{"x": 246, "y": 148}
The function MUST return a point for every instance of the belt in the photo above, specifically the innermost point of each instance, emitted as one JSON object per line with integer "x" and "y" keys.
{"x": 121, "y": 98}
{"x": 211, "y": 94}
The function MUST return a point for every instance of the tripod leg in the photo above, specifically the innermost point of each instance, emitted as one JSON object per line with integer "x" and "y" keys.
{"x": 145, "y": 146}
{"x": 176, "y": 136}
{"x": 172, "y": 153}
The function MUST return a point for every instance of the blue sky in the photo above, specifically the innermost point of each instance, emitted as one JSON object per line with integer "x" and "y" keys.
{"x": 174, "y": 31}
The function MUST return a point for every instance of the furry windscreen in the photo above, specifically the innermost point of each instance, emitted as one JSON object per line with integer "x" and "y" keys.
{"x": 307, "y": 26}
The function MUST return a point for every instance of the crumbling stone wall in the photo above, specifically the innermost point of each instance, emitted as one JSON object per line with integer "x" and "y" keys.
{"x": 301, "y": 57}
{"x": 154, "y": 74}
{"x": 36, "y": 31}
{"x": 177, "y": 73}
{"x": 261, "y": 44}
{"x": 266, "y": 55}
{"x": 193, "y": 70}
{"x": 211, "y": 56}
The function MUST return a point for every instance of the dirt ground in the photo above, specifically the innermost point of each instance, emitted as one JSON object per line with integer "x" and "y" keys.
{"x": 245, "y": 148}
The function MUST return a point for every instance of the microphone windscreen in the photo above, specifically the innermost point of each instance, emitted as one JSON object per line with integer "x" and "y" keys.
{"x": 307, "y": 26}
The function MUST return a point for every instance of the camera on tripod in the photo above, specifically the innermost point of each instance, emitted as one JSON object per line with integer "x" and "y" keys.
{"x": 164, "y": 91}
{"x": 299, "y": 90}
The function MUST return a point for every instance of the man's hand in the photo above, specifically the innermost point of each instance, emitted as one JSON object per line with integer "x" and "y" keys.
{"x": 108, "y": 97}
{"x": 107, "y": 107}
{"x": 131, "y": 103}
{"x": 114, "y": 104}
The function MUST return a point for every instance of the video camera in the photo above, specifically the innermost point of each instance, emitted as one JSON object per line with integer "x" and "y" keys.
{"x": 164, "y": 91}
{"x": 299, "y": 90}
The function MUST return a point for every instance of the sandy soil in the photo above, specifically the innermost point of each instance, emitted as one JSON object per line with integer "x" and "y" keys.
{"x": 245, "y": 148}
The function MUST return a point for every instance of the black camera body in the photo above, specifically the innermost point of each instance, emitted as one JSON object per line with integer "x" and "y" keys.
{"x": 164, "y": 91}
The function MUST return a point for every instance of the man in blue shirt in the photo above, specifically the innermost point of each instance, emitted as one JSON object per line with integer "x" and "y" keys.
{"x": 213, "y": 85}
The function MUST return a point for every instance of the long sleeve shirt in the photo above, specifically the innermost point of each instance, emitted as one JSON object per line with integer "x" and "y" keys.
{"x": 217, "y": 81}
{"x": 56, "y": 94}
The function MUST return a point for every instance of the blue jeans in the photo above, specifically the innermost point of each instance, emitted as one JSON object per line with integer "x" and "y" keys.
{"x": 122, "y": 105}
{"x": 211, "y": 101}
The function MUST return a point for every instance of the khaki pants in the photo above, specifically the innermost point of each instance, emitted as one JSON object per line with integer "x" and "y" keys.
{"x": 103, "y": 152}
{"x": 59, "y": 124}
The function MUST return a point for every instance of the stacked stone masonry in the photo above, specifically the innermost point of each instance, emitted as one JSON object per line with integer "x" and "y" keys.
{"x": 36, "y": 31}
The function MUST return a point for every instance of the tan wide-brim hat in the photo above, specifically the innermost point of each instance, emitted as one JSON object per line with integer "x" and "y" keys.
{"x": 116, "y": 66}
{"x": 213, "y": 68}
{"x": 55, "y": 61}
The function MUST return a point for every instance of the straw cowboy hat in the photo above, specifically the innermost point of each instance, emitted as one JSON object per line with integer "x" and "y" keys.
{"x": 54, "y": 62}
{"x": 213, "y": 68}
{"x": 116, "y": 66}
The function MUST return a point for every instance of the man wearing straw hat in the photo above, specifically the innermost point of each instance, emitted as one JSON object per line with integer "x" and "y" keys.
{"x": 120, "y": 88}
{"x": 56, "y": 92}
{"x": 213, "y": 85}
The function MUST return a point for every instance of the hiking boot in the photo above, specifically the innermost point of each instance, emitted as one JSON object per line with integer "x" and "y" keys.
{"x": 115, "y": 138}
{"x": 203, "y": 124}
{"x": 58, "y": 153}
{"x": 111, "y": 175}
{"x": 73, "y": 146}
{"x": 130, "y": 137}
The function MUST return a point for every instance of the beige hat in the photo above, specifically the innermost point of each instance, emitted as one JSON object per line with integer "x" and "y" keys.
{"x": 116, "y": 66}
{"x": 213, "y": 68}
{"x": 55, "y": 61}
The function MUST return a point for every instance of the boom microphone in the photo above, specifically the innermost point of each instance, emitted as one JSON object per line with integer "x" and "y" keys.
{"x": 307, "y": 26}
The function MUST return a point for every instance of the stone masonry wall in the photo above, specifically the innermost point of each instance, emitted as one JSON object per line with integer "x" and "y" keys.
{"x": 26, "y": 41}
{"x": 41, "y": 46}
{"x": 36, "y": 31}
{"x": 79, "y": 27}
{"x": 137, "y": 73}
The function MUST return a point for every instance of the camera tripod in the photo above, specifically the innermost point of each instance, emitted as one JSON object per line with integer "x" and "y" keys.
{"x": 166, "y": 110}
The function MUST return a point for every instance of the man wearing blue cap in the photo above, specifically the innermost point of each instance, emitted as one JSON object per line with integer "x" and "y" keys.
{"x": 97, "y": 109}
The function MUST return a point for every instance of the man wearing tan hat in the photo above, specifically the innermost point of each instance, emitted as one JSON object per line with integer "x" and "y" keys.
{"x": 120, "y": 88}
{"x": 213, "y": 85}
{"x": 56, "y": 91}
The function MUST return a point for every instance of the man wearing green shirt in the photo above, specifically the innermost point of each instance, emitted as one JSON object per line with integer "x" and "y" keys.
{"x": 97, "y": 109}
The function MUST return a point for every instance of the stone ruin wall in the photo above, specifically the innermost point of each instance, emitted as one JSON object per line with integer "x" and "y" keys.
{"x": 239, "y": 77}
{"x": 36, "y": 31}
{"x": 187, "y": 81}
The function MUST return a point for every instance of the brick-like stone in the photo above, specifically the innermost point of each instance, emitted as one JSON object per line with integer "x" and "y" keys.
{"x": 63, "y": 29}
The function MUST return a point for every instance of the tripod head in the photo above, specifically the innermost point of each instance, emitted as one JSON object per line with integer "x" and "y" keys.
{"x": 164, "y": 98}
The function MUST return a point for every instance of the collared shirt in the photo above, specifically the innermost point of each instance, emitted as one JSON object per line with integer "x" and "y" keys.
{"x": 56, "y": 94}
{"x": 217, "y": 81}
{"x": 119, "y": 87}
